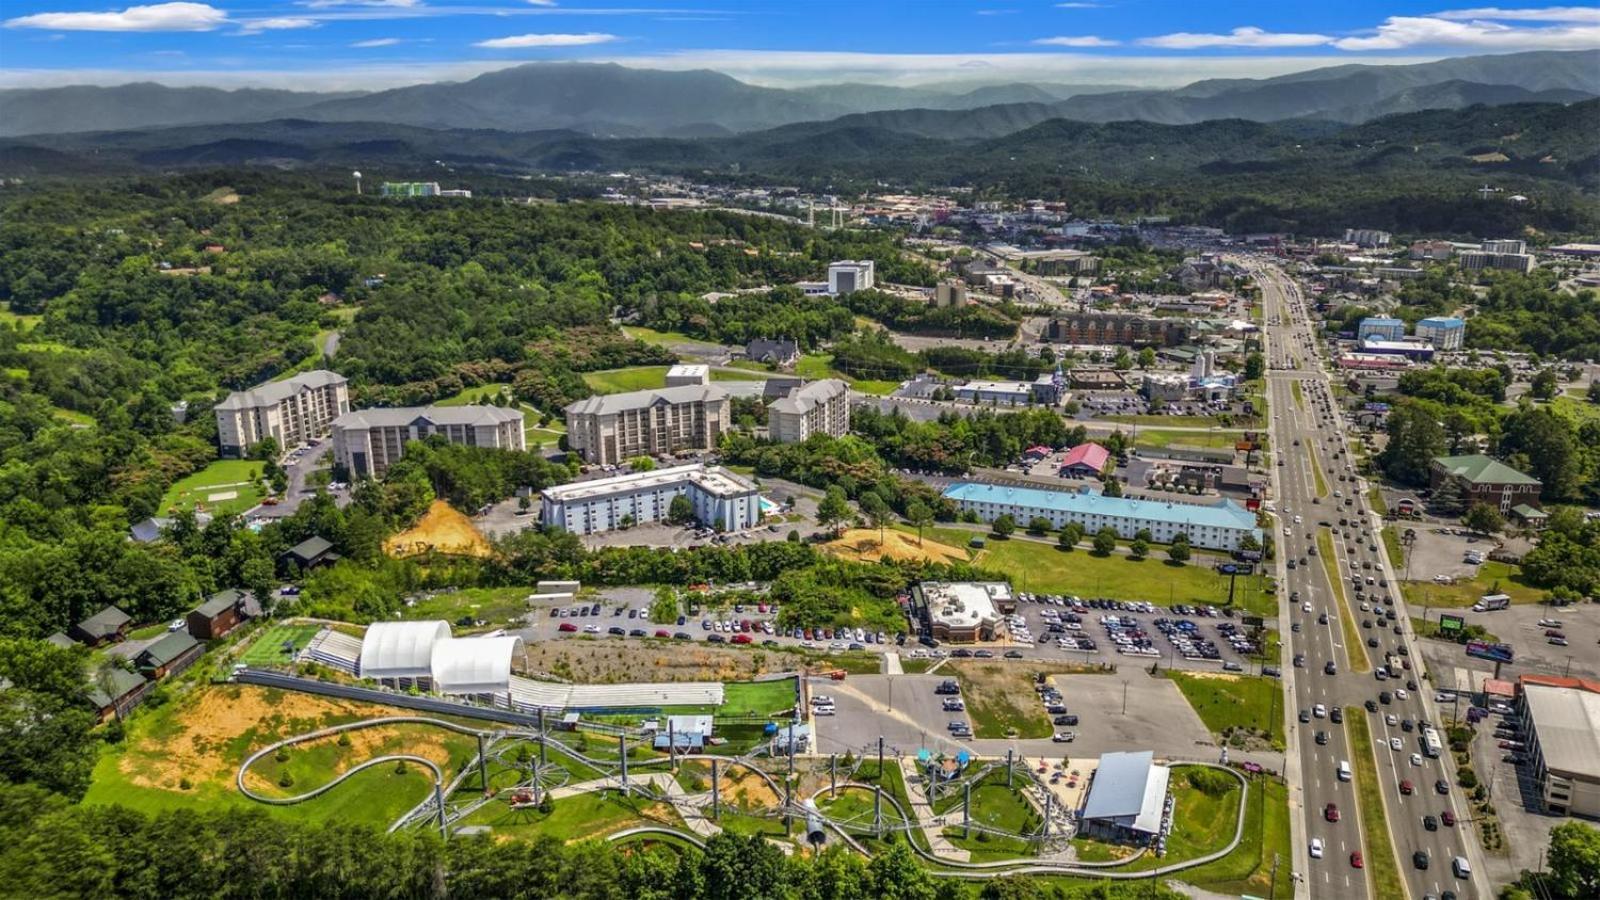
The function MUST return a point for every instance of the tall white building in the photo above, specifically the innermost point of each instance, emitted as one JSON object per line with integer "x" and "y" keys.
{"x": 369, "y": 441}
{"x": 821, "y": 407}
{"x": 720, "y": 500}
{"x": 849, "y": 275}
{"x": 612, "y": 428}
{"x": 291, "y": 411}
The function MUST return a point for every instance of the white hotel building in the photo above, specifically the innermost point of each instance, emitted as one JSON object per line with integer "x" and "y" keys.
{"x": 720, "y": 499}
{"x": 291, "y": 412}
{"x": 369, "y": 441}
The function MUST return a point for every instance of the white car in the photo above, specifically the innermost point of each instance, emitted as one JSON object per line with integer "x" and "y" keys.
{"x": 1394, "y": 743}
{"x": 591, "y": 629}
{"x": 1305, "y": 608}
{"x": 1400, "y": 694}
{"x": 821, "y": 700}
{"x": 1392, "y": 719}
{"x": 1416, "y": 759}
{"x": 1316, "y": 848}
{"x": 1319, "y": 711}
{"x": 822, "y": 710}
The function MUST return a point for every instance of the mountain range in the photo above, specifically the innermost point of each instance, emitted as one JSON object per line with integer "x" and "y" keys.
{"x": 609, "y": 100}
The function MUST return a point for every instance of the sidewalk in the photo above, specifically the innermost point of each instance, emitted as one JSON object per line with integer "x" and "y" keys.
{"x": 932, "y": 829}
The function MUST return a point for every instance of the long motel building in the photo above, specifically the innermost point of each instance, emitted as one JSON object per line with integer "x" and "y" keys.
{"x": 368, "y": 441}
{"x": 720, "y": 498}
{"x": 1220, "y": 526}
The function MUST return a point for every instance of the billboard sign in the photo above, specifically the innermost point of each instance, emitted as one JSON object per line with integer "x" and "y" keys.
{"x": 1252, "y": 621}
{"x": 1489, "y": 650}
{"x": 1451, "y": 624}
{"x": 1236, "y": 568}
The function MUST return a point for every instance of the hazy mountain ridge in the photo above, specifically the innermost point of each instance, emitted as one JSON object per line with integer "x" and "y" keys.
{"x": 609, "y": 100}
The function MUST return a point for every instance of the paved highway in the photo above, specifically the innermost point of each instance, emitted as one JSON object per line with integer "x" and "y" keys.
{"x": 1309, "y": 436}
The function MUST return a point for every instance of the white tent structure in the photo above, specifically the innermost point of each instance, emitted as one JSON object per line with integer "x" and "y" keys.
{"x": 474, "y": 665}
{"x": 401, "y": 650}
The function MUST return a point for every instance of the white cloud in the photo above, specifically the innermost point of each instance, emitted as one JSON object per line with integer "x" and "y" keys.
{"x": 542, "y": 2}
{"x": 325, "y": 4}
{"x": 1400, "y": 32}
{"x": 547, "y": 40}
{"x": 1546, "y": 14}
{"x": 1239, "y": 37}
{"x": 158, "y": 17}
{"x": 1086, "y": 40}
{"x": 378, "y": 42}
{"x": 1079, "y": 6}
{"x": 281, "y": 23}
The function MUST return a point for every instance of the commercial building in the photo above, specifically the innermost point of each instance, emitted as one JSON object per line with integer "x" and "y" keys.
{"x": 1577, "y": 250}
{"x": 1498, "y": 254}
{"x": 1367, "y": 238}
{"x": 612, "y": 428}
{"x": 1484, "y": 479}
{"x": 950, "y": 293}
{"x": 424, "y": 655}
{"x": 1096, "y": 380}
{"x": 292, "y": 412}
{"x": 1414, "y": 350}
{"x": 1085, "y": 461}
{"x": 1563, "y": 716}
{"x": 367, "y": 442}
{"x": 1435, "y": 251}
{"x": 1166, "y": 386}
{"x": 1383, "y": 328}
{"x": 850, "y": 275}
{"x": 1222, "y": 525}
{"x": 821, "y": 407}
{"x": 683, "y": 375}
{"x": 995, "y": 393}
{"x": 1117, "y": 329}
{"x": 720, "y": 499}
{"x": 961, "y": 612}
{"x": 1443, "y": 332}
{"x": 1127, "y": 798}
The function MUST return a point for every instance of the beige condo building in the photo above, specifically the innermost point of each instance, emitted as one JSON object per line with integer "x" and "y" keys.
{"x": 610, "y": 429}
{"x": 367, "y": 442}
{"x": 292, "y": 412}
{"x": 821, "y": 407}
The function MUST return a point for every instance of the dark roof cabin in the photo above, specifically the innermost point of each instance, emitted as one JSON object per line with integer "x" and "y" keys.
{"x": 312, "y": 552}
{"x": 221, "y": 613}
{"x": 170, "y": 655}
{"x": 109, "y": 624}
{"x": 122, "y": 692}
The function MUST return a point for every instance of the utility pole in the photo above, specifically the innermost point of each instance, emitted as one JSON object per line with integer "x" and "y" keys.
{"x": 1124, "y": 697}
{"x": 833, "y": 775}
{"x": 880, "y": 758}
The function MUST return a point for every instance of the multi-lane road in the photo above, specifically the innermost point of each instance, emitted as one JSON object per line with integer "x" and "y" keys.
{"x": 1308, "y": 435}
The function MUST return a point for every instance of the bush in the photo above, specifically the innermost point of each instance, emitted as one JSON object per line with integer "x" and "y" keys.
{"x": 1210, "y": 782}
{"x": 184, "y": 784}
{"x": 344, "y": 738}
{"x": 545, "y": 806}
{"x": 400, "y": 767}
{"x": 1466, "y": 777}
{"x": 282, "y": 755}
{"x": 285, "y": 780}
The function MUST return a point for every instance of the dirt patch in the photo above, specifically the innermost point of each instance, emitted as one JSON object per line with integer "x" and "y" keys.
{"x": 1216, "y": 676}
{"x": 611, "y": 662}
{"x": 864, "y": 544}
{"x": 442, "y": 529}
{"x": 747, "y": 790}
{"x": 207, "y": 738}
{"x": 1495, "y": 157}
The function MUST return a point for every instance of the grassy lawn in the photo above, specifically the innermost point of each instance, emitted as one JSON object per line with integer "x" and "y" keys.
{"x": 761, "y": 698}
{"x": 1040, "y": 566}
{"x": 267, "y": 647}
{"x": 1248, "y": 869}
{"x": 736, "y": 375}
{"x": 953, "y": 537}
{"x": 915, "y": 666}
{"x": 72, "y": 417}
{"x": 663, "y": 338}
{"x": 1577, "y": 410}
{"x": 482, "y": 393}
{"x": 222, "y": 476}
{"x": 9, "y": 319}
{"x": 1232, "y": 702}
{"x": 1355, "y": 649}
{"x": 1493, "y": 577}
{"x": 1202, "y": 823}
{"x": 1168, "y": 421}
{"x": 1430, "y": 629}
{"x": 1000, "y": 698}
{"x": 994, "y": 805}
{"x": 636, "y": 378}
{"x": 1158, "y": 438}
{"x": 820, "y": 365}
{"x": 854, "y": 805}
{"x": 1375, "y": 498}
{"x": 1383, "y": 873}
{"x": 495, "y": 606}
{"x": 577, "y": 817}
{"x": 1316, "y": 472}
{"x": 1299, "y": 394}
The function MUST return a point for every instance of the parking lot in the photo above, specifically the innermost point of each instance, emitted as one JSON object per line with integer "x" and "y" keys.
{"x": 1099, "y": 631}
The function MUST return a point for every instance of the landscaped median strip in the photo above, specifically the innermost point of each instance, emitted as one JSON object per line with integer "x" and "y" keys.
{"x": 1383, "y": 872}
{"x": 1316, "y": 472}
{"x": 1354, "y": 650}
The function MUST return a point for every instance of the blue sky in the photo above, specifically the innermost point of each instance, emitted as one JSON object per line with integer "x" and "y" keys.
{"x": 328, "y": 44}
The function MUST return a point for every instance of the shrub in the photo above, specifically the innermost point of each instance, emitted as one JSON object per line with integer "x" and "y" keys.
{"x": 285, "y": 780}
{"x": 184, "y": 784}
{"x": 344, "y": 739}
{"x": 1210, "y": 782}
{"x": 282, "y": 755}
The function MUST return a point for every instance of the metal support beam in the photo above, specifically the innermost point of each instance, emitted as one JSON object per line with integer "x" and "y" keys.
{"x": 483, "y": 766}
{"x": 622, "y": 751}
{"x": 966, "y": 809}
{"x": 716, "y": 789}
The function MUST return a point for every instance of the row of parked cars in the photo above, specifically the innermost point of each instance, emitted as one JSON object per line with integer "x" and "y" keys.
{"x": 1056, "y": 707}
{"x": 949, "y": 692}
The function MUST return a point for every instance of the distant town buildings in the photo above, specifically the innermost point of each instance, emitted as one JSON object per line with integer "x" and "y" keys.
{"x": 1368, "y": 238}
{"x": 1443, "y": 332}
{"x": 1117, "y": 329}
{"x": 949, "y": 293}
{"x": 1505, "y": 253}
{"x": 720, "y": 499}
{"x": 850, "y": 275}
{"x": 610, "y": 429}
{"x": 419, "y": 189}
{"x": 292, "y": 411}
{"x": 1435, "y": 251}
{"x": 367, "y": 442}
{"x": 995, "y": 393}
{"x": 1222, "y": 525}
{"x": 821, "y": 407}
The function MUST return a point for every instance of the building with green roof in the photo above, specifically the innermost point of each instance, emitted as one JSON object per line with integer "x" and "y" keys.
{"x": 1484, "y": 479}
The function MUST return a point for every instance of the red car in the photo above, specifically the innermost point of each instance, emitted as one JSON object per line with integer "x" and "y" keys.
{"x": 1448, "y": 818}
{"x": 566, "y": 626}
{"x": 1405, "y": 788}
{"x": 662, "y": 632}
{"x": 1356, "y": 861}
{"x": 740, "y": 638}
{"x": 1331, "y": 812}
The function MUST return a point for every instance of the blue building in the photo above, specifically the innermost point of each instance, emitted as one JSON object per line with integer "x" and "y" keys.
{"x": 1443, "y": 332}
{"x": 720, "y": 499}
{"x": 1383, "y": 328}
{"x": 1221, "y": 525}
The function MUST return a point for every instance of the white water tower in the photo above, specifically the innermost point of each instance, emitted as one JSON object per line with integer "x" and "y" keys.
{"x": 358, "y": 182}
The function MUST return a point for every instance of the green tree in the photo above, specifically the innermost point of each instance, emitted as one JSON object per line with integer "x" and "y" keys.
{"x": 920, "y": 516}
{"x": 1111, "y": 487}
{"x": 877, "y": 512}
{"x": 1544, "y": 384}
{"x": 1178, "y": 552}
{"x": 833, "y": 510}
{"x": 664, "y": 608}
{"x": 1003, "y": 525}
{"x": 1147, "y": 358}
{"x": 1123, "y": 361}
{"x": 1071, "y": 534}
{"x": 1105, "y": 541}
{"x": 1139, "y": 549}
{"x": 1038, "y": 525}
{"x": 1483, "y": 518}
{"x": 1593, "y": 394}
{"x": 642, "y": 464}
{"x": 1255, "y": 366}
{"x": 1415, "y": 439}
{"x": 681, "y": 510}
{"x": 1575, "y": 859}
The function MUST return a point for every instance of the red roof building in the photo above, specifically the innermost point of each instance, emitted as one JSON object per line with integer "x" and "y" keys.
{"x": 1085, "y": 461}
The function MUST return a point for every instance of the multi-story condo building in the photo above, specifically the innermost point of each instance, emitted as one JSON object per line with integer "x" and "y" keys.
{"x": 1443, "y": 332}
{"x": 1370, "y": 238}
{"x": 1117, "y": 329}
{"x": 291, "y": 412}
{"x": 821, "y": 407}
{"x": 720, "y": 500}
{"x": 849, "y": 275}
{"x": 1222, "y": 525}
{"x": 1384, "y": 328}
{"x": 610, "y": 429}
{"x": 367, "y": 442}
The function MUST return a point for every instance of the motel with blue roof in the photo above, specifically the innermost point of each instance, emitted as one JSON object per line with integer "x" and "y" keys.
{"x": 1220, "y": 526}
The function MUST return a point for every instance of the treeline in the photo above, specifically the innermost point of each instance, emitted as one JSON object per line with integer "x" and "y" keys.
{"x": 955, "y": 443}
{"x": 53, "y": 850}
{"x": 1532, "y": 314}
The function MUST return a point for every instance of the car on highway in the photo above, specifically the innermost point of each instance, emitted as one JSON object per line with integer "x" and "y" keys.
{"x": 1420, "y": 860}
{"x": 1336, "y": 715}
{"x": 1356, "y": 861}
{"x": 1416, "y": 758}
{"x": 1331, "y": 812}
{"x": 1320, "y": 711}
{"x": 1394, "y": 743}
{"x": 1442, "y": 786}
{"x": 1406, "y": 788}
{"x": 1316, "y": 843}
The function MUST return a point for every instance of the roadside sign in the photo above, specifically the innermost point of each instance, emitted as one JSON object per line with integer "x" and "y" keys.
{"x": 1237, "y": 568}
{"x": 1451, "y": 624}
{"x": 1253, "y": 621}
{"x": 1490, "y": 651}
